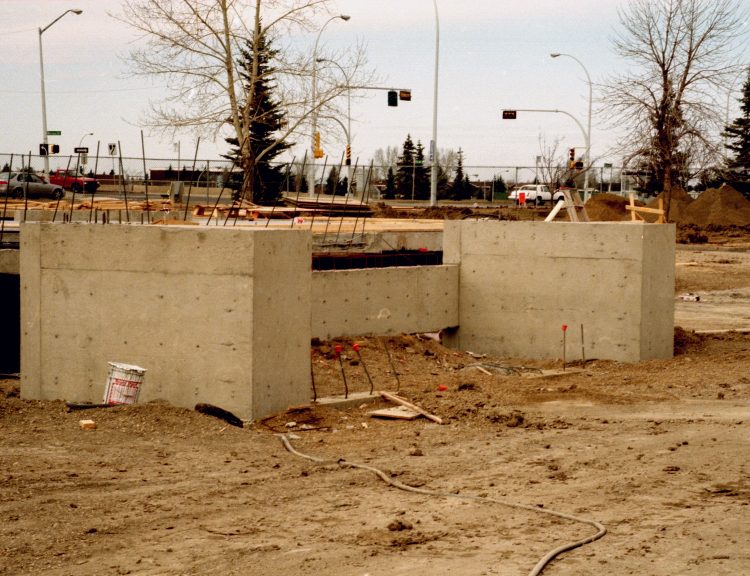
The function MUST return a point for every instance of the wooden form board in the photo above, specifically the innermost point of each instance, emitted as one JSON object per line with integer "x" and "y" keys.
{"x": 636, "y": 211}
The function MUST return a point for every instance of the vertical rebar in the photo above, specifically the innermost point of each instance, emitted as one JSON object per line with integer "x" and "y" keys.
{"x": 312, "y": 378}
{"x": 343, "y": 374}
{"x": 583, "y": 349}
{"x": 299, "y": 183}
{"x": 145, "y": 180}
{"x": 192, "y": 172}
{"x": 393, "y": 368}
{"x": 124, "y": 185}
{"x": 364, "y": 366}
{"x": 317, "y": 197}
{"x": 7, "y": 194}
{"x": 348, "y": 188}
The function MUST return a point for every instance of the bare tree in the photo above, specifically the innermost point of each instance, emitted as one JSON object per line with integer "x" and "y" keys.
{"x": 552, "y": 168}
{"x": 383, "y": 159}
{"x": 682, "y": 54}
{"x": 194, "y": 45}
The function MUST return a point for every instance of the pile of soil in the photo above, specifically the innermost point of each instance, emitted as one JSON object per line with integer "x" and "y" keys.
{"x": 608, "y": 208}
{"x": 718, "y": 207}
{"x": 678, "y": 206}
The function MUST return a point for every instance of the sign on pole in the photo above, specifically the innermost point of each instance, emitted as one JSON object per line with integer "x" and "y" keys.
{"x": 54, "y": 132}
{"x": 112, "y": 149}
{"x": 509, "y": 114}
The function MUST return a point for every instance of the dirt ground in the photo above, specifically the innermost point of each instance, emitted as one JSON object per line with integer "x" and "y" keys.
{"x": 657, "y": 452}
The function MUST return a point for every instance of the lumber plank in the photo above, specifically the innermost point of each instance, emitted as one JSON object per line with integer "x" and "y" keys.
{"x": 422, "y": 411}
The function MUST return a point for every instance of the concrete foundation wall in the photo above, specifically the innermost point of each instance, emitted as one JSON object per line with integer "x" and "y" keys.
{"x": 384, "y": 300}
{"x": 9, "y": 262}
{"x": 212, "y": 314}
{"x": 521, "y": 281}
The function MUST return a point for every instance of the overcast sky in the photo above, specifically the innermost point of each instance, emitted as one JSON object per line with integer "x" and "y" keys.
{"x": 494, "y": 54}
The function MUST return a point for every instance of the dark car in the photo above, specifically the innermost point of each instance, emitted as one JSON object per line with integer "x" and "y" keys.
{"x": 28, "y": 185}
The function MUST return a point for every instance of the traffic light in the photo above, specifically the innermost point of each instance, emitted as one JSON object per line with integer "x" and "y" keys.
{"x": 404, "y": 95}
{"x": 55, "y": 149}
{"x": 572, "y": 158}
{"x": 317, "y": 150}
{"x": 509, "y": 114}
{"x": 392, "y": 98}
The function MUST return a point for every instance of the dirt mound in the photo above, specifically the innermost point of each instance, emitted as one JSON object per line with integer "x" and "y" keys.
{"x": 678, "y": 205}
{"x": 719, "y": 207}
{"x": 608, "y": 208}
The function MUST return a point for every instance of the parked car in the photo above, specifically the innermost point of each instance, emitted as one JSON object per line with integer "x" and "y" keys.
{"x": 69, "y": 180}
{"x": 531, "y": 194}
{"x": 26, "y": 184}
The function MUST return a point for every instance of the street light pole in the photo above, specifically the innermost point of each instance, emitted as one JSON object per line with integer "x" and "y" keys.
{"x": 311, "y": 183}
{"x": 82, "y": 157}
{"x": 348, "y": 119}
{"x": 434, "y": 165}
{"x": 45, "y": 141}
{"x": 588, "y": 131}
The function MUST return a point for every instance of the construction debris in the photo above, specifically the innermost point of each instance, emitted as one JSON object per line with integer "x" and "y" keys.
{"x": 398, "y": 400}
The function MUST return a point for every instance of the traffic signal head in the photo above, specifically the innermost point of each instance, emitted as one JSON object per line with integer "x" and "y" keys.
{"x": 55, "y": 149}
{"x": 317, "y": 150}
{"x": 509, "y": 114}
{"x": 392, "y": 98}
{"x": 404, "y": 95}
{"x": 572, "y": 154}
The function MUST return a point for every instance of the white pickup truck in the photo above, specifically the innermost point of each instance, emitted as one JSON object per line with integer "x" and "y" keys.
{"x": 534, "y": 194}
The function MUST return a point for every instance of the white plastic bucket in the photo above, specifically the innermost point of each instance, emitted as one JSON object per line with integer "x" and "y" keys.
{"x": 123, "y": 383}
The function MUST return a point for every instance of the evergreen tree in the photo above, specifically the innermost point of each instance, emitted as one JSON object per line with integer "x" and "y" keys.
{"x": 459, "y": 189}
{"x": 499, "y": 187}
{"x": 421, "y": 175}
{"x": 262, "y": 182}
{"x": 390, "y": 185}
{"x": 738, "y": 134}
{"x": 405, "y": 168}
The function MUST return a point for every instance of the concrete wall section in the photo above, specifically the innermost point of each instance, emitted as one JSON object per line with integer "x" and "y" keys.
{"x": 193, "y": 306}
{"x": 10, "y": 261}
{"x": 521, "y": 282}
{"x": 384, "y": 300}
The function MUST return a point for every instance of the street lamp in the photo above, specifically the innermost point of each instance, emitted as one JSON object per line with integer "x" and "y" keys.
{"x": 433, "y": 166}
{"x": 588, "y": 131}
{"x": 348, "y": 117}
{"x": 83, "y": 156}
{"x": 311, "y": 184}
{"x": 80, "y": 142}
{"x": 44, "y": 99}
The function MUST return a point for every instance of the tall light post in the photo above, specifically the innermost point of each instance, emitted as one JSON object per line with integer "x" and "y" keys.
{"x": 311, "y": 183}
{"x": 434, "y": 165}
{"x": 83, "y": 157}
{"x": 588, "y": 131}
{"x": 44, "y": 98}
{"x": 80, "y": 142}
{"x": 348, "y": 118}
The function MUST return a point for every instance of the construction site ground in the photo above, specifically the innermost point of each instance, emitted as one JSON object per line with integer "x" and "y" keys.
{"x": 656, "y": 451}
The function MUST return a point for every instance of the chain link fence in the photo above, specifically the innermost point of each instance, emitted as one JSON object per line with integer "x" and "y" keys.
{"x": 116, "y": 173}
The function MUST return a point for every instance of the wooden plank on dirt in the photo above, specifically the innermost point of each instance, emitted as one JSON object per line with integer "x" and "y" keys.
{"x": 398, "y": 400}
{"x": 396, "y": 413}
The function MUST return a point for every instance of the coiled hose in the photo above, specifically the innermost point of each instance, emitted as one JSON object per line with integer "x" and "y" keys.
{"x": 600, "y": 529}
